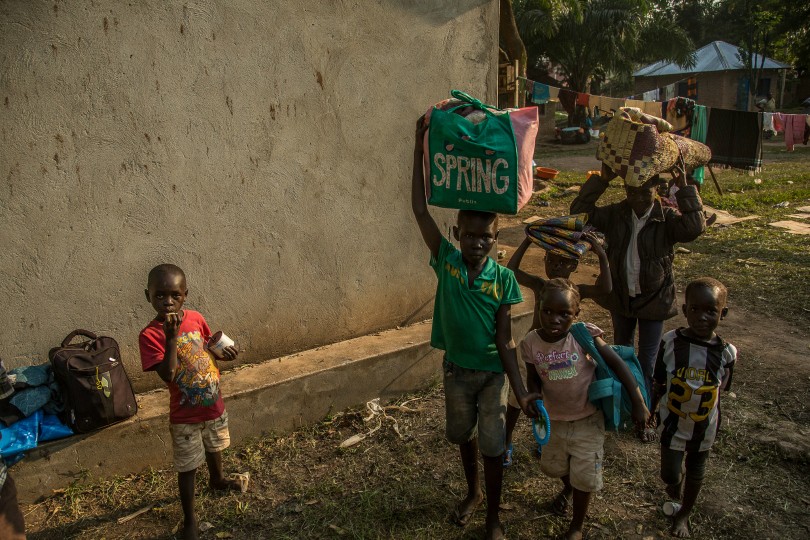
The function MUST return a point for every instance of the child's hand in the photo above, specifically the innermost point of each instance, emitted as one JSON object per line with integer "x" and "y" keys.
{"x": 419, "y": 138}
{"x": 171, "y": 324}
{"x": 528, "y": 406}
{"x": 230, "y": 353}
{"x": 596, "y": 245}
{"x": 641, "y": 415}
{"x": 679, "y": 173}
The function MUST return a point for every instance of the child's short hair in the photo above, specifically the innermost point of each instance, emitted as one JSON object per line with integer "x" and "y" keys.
{"x": 163, "y": 269}
{"x": 487, "y": 217}
{"x": 707, "y": 283}
{"x": 563, "y": 285}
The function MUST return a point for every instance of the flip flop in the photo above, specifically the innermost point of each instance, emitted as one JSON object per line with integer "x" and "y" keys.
{"x": 507, "y": 457}
{"x": 462, "y": 519}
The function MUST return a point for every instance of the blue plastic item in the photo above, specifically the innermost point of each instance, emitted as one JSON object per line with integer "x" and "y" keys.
{"x": 20, "y": 436}
{"x": 52, "y": 428}
{"x": 541, "y": 439}
{"x": 607, "y": 391}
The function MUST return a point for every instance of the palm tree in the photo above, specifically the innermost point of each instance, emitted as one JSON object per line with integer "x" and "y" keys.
{"x": 599, "y": 37}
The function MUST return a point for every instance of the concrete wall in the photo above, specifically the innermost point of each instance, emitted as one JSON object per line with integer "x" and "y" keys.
{"x": 265, "y": 147}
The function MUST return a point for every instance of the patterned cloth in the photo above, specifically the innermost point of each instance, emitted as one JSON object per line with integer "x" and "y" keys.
{"x": 560, "y": 235}
{"x": 794, "y": 129}
{"x": 636, "y": 151}
{"x": 735, "y": 138}
{"x": 679, "y": 114}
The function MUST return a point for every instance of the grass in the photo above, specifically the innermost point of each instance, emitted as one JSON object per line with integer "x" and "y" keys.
{"x": 304, "y": 486}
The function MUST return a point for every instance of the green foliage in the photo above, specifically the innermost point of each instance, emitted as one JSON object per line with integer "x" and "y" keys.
{"x": 589, "y": 38}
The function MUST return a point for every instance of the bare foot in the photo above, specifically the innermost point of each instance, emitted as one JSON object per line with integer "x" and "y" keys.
{"x": 495, "y": 531}
{"x": 561, "y": 503}
{"x": 573, "y": 534}
{"x": 239, "y": 483}
{"x": 680, "y": 526}
{"x": 674, "y": 491}
{"x": 465, "y": 509}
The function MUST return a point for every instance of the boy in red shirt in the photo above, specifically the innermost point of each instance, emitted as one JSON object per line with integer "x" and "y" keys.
{"x": 174, "y": 344}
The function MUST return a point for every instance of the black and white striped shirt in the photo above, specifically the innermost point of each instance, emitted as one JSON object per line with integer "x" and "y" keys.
{"x": 693, "y": 371}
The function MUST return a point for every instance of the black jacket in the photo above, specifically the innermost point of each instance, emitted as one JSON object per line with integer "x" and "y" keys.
{"x": 656, "y": 240}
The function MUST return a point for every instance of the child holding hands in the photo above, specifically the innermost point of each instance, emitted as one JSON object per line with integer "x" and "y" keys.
{"x": 560, "y": 368}
{"x": 173, "y": 344}
{"x": 472, "y": 324}
{"x": 556, "y": 266}
{"x": 693, "y": 364}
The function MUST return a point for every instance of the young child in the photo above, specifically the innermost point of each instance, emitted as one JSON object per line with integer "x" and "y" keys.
{"x": 472, "y": 324}
{"x": 641, "y": 237}
{"x": 556, "y": 267}
{"x": 559, "y": 367}
{"x": 693, "y": 364}
{"x": 174, "y": 344}
{"x": 12, "y": 522}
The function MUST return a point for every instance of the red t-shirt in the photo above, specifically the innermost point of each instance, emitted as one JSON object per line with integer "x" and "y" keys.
{"x": 194, "y": 394}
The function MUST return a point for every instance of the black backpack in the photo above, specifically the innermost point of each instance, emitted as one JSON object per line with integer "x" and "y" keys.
{"x": 95, "y": 387}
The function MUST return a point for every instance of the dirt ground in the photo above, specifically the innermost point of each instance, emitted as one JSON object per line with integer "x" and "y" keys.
{"x": 402, "y": 483}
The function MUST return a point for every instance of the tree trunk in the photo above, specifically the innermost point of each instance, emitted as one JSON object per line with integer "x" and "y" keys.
{"x": 511, "y": 37}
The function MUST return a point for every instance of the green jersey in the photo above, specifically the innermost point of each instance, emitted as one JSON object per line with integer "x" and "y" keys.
{"x": 464, "y": 316}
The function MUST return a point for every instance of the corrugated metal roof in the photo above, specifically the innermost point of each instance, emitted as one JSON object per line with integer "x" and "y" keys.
{"x": 716, "y": 56}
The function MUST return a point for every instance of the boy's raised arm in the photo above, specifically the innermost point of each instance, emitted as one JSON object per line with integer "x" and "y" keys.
{"x": 604, "y": 283}
{"x": 691, "y": 222}
{"x": 524, "y": 278}
{"x": 508, "y": 355}
{"x": 427, "y": 226}
{"x": 641, "y": 414}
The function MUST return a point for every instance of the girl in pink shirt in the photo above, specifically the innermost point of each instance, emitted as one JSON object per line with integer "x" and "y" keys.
{"x": 560, "y": 368}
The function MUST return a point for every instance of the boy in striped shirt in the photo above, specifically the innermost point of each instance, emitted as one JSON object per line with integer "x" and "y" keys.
{"x": 693, "y": 364}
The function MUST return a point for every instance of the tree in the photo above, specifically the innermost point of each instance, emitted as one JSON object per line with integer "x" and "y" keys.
{"x": 595, "y": 38}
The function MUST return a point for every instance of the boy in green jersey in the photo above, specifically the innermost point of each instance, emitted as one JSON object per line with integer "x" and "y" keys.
{"x": 472, "y": 324}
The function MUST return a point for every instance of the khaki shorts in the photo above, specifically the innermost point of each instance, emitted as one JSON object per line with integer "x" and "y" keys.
{"x": 576, "y": 448}
{"x": 190, "y": 442}
{"x": 513, "y": 402}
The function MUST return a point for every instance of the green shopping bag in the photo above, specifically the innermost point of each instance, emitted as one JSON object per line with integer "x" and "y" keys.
{"x": 472, "y": 166}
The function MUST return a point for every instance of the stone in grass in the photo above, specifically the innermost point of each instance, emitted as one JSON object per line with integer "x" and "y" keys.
{"x": 791, "y": 440}
{"x": 680, "y": 249}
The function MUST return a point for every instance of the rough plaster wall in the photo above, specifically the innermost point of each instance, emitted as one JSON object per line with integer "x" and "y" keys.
{"x": 265, "y": 147}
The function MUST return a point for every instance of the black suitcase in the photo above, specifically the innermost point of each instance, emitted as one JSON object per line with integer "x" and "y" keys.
{"x": 95, "y": 387}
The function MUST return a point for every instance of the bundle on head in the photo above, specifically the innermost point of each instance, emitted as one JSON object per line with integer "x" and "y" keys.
{"x": 561, "y": 235}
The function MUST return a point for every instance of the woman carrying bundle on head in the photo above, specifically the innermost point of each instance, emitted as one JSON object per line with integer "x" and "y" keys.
{"x": 641, "y": 233}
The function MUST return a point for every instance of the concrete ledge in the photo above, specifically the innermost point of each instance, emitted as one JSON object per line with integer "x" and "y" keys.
{"x": 275, "y": 396}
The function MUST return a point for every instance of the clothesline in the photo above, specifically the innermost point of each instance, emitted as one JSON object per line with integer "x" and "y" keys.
{"x": 673, "y": 83}
{"x": 735, "y": 137}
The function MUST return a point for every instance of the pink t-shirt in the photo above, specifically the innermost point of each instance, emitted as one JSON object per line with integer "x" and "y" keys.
{"x": 194, "y": 394}
{"x": 565, "y": 370}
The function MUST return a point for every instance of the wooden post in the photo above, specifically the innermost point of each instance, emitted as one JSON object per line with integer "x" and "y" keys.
{"x": 518, "y": 97}
{"x": 716, "y": 184}
{"x": 782, "y": 89}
